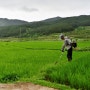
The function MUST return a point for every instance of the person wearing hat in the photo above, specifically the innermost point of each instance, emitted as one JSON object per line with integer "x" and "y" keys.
{"x": 67, "y": 44}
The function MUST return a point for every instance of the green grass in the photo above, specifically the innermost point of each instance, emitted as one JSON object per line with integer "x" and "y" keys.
{"x": 75, "y": 73}
{"x": 28, "y": 61}
{"x": 21, "y": 59}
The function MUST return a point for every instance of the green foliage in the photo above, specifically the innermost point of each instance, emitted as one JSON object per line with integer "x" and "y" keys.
{"x": 12, "y": 31}
{"x": 28, "y": 61}
{"x": 9, "y": 78}
{"x": 75, "y": 73}
{"x": 25, "y": 59}
{"x": 45, "y": 27}
{"x": 80, "y": 32}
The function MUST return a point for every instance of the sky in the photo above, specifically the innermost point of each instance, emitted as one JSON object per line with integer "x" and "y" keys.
{"x": 36, "y": 10}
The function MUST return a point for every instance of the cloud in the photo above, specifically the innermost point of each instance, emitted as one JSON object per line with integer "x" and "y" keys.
{"x": 27, "y": 9}
{"x": 41, "y": 9}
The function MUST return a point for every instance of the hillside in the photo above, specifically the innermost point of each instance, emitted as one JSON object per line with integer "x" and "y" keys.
{"x": 80, "y": 32}
{"x": 44, "y": 27}
{"x": 52, "y": 19}
{"x": 10, "y": 22}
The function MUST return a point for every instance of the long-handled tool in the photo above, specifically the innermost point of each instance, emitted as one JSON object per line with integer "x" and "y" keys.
{"x": 59, "y": 58}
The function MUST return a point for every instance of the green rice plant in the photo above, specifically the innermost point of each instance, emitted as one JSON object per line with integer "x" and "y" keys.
{"x": 28, "y": 61}
{"x": 75, "y": 73}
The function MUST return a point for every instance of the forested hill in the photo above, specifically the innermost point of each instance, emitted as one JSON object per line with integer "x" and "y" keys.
{"x": 10, "y": 22}
{"x": 44, "y": 27}
{"x": 75, "y": 21}
{"x": 52, "y": 19}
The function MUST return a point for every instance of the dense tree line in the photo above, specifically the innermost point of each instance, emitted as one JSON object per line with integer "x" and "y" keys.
{"x": 45, "y": 27}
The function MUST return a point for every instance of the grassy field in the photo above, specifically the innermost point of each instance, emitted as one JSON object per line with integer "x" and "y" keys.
{"x": 34, "y": 61}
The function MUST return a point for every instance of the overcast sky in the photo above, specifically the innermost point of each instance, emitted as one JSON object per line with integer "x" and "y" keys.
{"x": 35, "y": 10}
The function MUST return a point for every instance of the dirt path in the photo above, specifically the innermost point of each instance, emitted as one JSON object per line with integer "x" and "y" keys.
{"x": 23, "y": 86}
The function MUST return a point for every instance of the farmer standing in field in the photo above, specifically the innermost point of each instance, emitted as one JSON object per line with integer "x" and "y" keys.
{"x": 67, "y": 44}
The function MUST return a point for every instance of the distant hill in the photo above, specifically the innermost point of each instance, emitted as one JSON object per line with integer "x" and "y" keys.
{"x": 60, "y": 25}
{"x": 45, "y": 22}
{"x": 18, "y": 28}
{"x": 52, "y": 19}
{"x": 10, "y": 22}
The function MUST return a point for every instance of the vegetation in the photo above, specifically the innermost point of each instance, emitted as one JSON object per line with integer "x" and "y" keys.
{"x": 75, "y": 74}
{"x": 35, "y": 61}
{"x": 11, "y": 22}
{"x": 45, "y": 27}
{"x": 22, "y": 59}
{"x": 80, "y": 32}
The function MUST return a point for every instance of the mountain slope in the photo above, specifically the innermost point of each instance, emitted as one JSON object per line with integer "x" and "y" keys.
{"x": 10, "y": 22}
{"x": 52, "y": 19}
{"x": 45, "y": 27}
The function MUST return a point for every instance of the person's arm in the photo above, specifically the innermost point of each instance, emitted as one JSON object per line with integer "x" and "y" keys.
{"x": 63, "y": 46}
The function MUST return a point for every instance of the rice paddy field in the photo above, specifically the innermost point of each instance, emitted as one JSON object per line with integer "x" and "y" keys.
{"x": 34, "y": 61}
